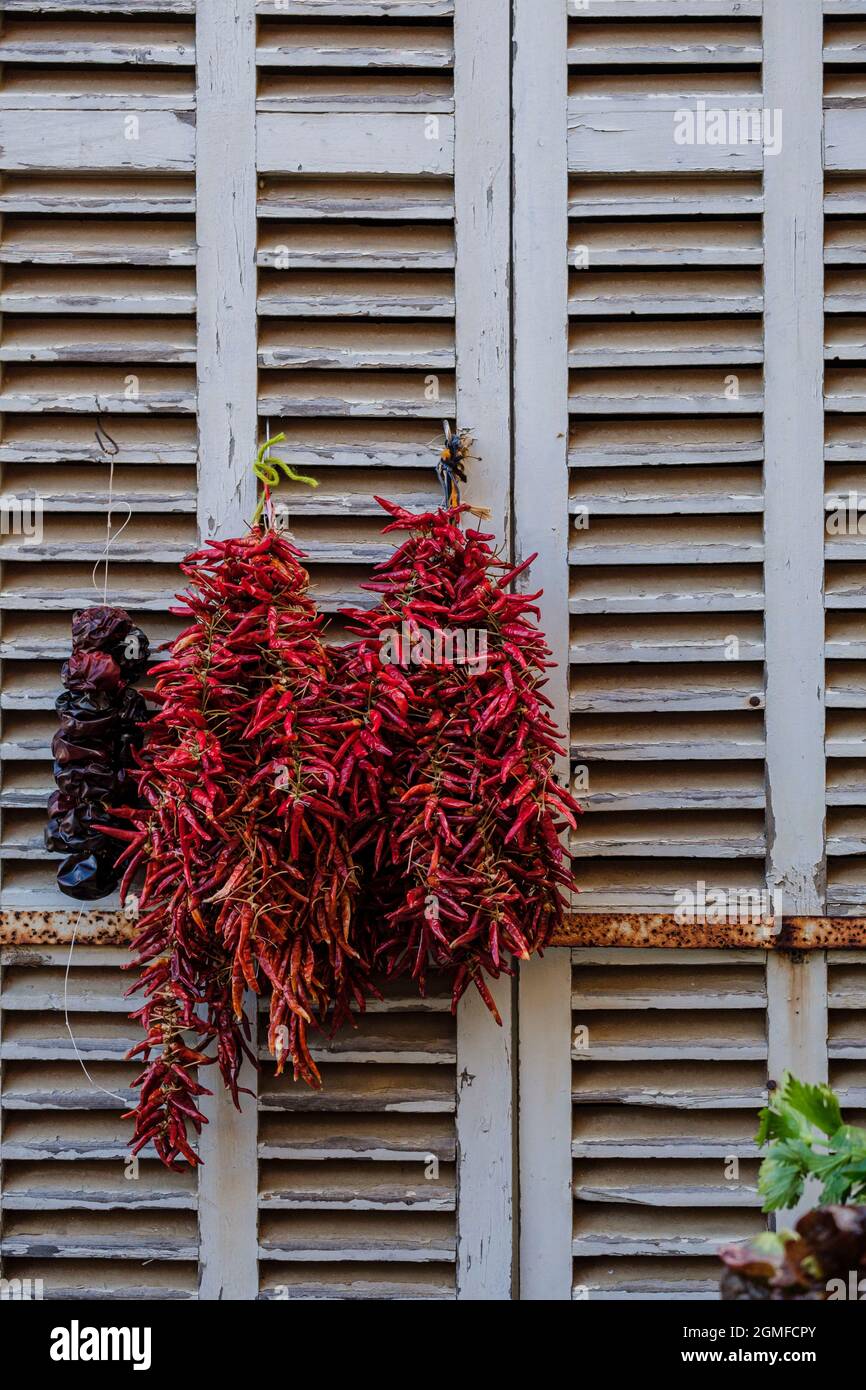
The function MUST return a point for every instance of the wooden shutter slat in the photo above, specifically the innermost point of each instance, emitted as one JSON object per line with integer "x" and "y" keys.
{"x": 97, "y": 41}
{"x": 324, "y": 93}
{"x": 691, "y": 41}
{"x": 368, "y": 46}
{"x": 599, "y": 196}
{"x": 94, "y": 140}
{"x": 100, "y": 7}
{"x": 386, "y": 199}
{"x": 152, "y": 195}
{"x": 360, "y": 9}
{"x": 671, "y": 9}
{"x": 360, "y": 143}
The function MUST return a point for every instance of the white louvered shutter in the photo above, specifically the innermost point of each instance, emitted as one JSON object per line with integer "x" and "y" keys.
{"x": 97, "y": 260}
{"x": 669, "y": 1068}
{"x": 78, "y": 1219}
{"x": 367, "y": 214}
{"x": 649, "y": 435}
{"x": 357, "y": 1183}
{"x": 98, "y": 338}
{"x": 845, "y": 454}
{"x": 666, "y": 577}
{"x": 224, "y": 218}
{"x": 220, "y": 219}
{"x": 847, "y": 1031}
{"x": 356, "y": 254}
{"x": 674, "y": 389}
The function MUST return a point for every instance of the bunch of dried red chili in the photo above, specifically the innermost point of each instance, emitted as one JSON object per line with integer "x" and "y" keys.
{"x": 313, "y": 815}
{"x": 101, "y": 723}
{"x": 449, "y": 777}
{"x": 248, "y": 877}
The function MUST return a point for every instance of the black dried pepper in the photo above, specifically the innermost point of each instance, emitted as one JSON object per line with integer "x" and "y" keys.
{"x": 101, "y": 728}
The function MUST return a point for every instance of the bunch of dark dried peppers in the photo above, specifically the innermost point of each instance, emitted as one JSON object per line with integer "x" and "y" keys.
{"x": 101, "y": 724}
{"x": 248, "y": 876}
{"x": 449, "y": 778}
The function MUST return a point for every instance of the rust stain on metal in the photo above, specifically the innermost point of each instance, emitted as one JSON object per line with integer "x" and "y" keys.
{"x": 26, "y": 928}
{"x": 659, "y": 930}
{"x": 663, "y": 930}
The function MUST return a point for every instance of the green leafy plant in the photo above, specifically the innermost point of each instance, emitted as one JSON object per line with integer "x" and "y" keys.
{"x": 808, "y": 1138}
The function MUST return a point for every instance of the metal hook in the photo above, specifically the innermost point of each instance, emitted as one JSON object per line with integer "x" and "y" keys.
{"x": 101, "y": 435}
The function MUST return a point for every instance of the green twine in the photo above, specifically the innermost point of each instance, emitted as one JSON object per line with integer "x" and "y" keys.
{"x": 267, "y": 469}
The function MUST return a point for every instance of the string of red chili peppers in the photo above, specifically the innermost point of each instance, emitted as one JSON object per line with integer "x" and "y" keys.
{"x": 292, "y": 794}
{"x": 248, "y": 877}
{"x": 456, "y": 814}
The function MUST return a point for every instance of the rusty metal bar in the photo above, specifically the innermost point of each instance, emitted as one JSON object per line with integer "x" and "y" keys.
{"x": 639, "y": 930}
{"x": 94, "y": 928}
{"x": 663, "y": 930}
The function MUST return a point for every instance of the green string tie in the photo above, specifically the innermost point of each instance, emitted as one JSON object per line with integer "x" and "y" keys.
{"x": 267, "y": 469}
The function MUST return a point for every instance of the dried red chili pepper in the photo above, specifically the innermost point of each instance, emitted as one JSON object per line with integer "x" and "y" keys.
{"x": 449, "y": 777}
{"x": 248, "y": 877}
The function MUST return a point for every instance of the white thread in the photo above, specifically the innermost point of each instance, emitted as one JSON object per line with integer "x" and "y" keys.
{"x": 109, "y": 538}
{"x": 113, "y": 1094}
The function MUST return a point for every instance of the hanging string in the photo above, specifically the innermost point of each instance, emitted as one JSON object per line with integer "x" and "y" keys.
{"x": 267, "y": 469}
{"x": 95, "y": 1084}
{"x": 104, "y": 439}
{"x": 111, "y": 448}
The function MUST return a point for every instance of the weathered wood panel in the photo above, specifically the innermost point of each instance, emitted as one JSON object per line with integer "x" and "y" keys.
{"x": 359, "y": 9}
{"x": 97, "y": 140}
{"x": 226, "y": 180}
{"x": 541, "y": 471}
{"x": 797, "y": 1028}
{"x": 104, "y": 7}
{"x": 794, "y": 468}
{"x": 844, "y": 138}
{"x": 668, "y": 9}
{"x": 356, "y": 143}
{"x": 641, "y": 1022}
{"x": 639, "y": 139}
{"x": 482, "y": 197}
